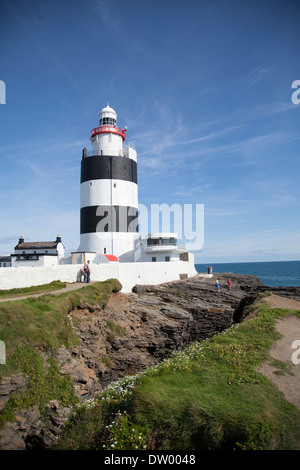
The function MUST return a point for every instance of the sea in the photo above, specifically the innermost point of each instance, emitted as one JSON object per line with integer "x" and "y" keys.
{"x": 271, "y": 273}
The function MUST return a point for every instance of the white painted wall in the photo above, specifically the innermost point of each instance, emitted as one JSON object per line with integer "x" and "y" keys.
{"x": 111, "y": 143}
{"x": 130, "y": 152}
{"x": 143, "y": 252}
{"x": 5, "y": 264}
{"x": 115, "y": 243}
{"x": 43, "y": 260}
{"x": 154, "y": 273}
{"x": 108, "y": 192}
{"x": 128, "y": 274}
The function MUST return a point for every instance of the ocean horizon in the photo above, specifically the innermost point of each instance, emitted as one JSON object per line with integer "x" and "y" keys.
{"x": 271, "y": 273}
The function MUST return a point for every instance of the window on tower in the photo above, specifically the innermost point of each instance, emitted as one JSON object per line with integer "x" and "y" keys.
{"x": 107, "y": 121}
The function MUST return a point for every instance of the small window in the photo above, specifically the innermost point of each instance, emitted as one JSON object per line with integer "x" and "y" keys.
{"x": 115, "y": 185}
{"x": 153, "y": 259}
{"x": 105, "y": 251}
{"x": 167, "y": 258}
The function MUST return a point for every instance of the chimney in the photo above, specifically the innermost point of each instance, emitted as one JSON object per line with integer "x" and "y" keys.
{"x": 58, "y": 239}
{"x": 21, "y": 240}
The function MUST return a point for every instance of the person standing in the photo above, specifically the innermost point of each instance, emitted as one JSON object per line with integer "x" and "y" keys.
{"x": 229, "y": 283}
{"x": 217, "y": 285}
{"x": 88, "y": 271}
{"x": 83, "y": 273}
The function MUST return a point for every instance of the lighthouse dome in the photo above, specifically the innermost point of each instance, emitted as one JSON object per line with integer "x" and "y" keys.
{"x": 108, "y": 116}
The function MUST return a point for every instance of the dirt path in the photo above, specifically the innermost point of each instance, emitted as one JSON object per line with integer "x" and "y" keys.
{"x": 289, "y": 327}
{"x": 69, "y": 287}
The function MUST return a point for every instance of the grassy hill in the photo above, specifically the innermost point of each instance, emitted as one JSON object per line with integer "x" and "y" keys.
{"x": 35, "y": 328}
{"x": 208, "y": 396}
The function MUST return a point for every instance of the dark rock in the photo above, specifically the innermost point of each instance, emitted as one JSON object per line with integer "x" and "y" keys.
{"x": 290, "y": 292}
{"x": 161, "y": 319}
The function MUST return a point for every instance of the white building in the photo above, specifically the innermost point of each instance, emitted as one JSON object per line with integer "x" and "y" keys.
{"x": 157, "y": 247}
{"x": 5, "y": 261}
{"x": 48, "y": 253}
{"x": 109, "y": 202}
{"x": 108, "y": 192}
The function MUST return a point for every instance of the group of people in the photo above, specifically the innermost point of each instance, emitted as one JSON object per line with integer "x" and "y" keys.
{"x": 86, "y": 272}
{"x": 217, "y": 284}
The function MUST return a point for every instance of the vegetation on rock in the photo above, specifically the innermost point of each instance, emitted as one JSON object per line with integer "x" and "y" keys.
{"x": 209, "y": 396}
{"x": 33, "y": 330}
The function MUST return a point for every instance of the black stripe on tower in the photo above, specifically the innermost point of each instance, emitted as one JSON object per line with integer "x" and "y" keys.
{"x": 108, "y": 167}
{"x": 108, "y": 219}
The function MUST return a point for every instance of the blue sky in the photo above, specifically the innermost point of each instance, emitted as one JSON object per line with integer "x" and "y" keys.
{"x": 204, "y": 88}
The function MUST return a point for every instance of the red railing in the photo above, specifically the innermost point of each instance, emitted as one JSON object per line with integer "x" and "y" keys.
{"x": 106, "y": 129}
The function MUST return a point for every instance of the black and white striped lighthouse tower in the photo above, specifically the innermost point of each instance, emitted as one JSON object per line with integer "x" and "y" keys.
{"x": 109, "y": 192}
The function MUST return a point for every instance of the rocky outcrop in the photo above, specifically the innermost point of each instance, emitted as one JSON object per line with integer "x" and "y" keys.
{"x": 291, "y": 292}
{"x": 138, "y": 330}
{"x": 133, "y": 332}
{"x": 30, "y": 431}
{"x": 9, "y": 385}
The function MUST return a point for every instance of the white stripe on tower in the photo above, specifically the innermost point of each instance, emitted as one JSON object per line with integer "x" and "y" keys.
{"x": 109, "y": 192}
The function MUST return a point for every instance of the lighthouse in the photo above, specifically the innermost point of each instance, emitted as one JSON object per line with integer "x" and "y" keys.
{"x": 109, "y": 191}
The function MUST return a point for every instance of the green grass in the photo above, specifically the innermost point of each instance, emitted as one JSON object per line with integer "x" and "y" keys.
{"x": 209, "y": 396}
{"x": 31, "y": 326}
{"x": 43, "y": 384}
{"x": 55, "y": 285}
{"x": 43, "y": 322}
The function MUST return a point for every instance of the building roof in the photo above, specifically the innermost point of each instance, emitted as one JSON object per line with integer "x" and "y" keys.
{"x": 5, "y": 259}
{"x": 112, "y": 258}
{"x": 36, "y": 245}
{"x": 108, "y": 109}
{"x": 22, "y": 245}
